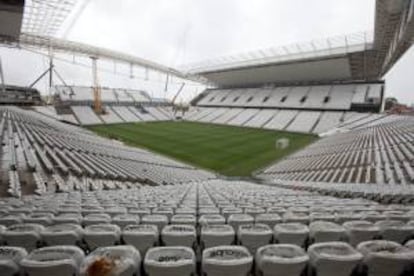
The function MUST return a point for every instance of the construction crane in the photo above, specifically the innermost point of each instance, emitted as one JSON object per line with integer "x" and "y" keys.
{"x": 97, "y": 100}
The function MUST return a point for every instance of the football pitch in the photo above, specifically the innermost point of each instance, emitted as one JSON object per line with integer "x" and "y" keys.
{"x": 231, "y": 151}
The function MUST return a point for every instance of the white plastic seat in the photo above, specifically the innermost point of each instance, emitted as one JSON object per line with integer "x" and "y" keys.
{"x": 253, "y": 236}
{"x": 293, "y": 233}
{"x": 326, "y": 231}
{"x": 62, "y": 234}
{"x": 410, "y": 244}
{"x": 211, "y": 219}
{"x": 42, "y": 219}
{"x": 296, "y": 217}
{"x": 10, "y": 220}
{"x": 158, "y": 220}
{"x": 170, "y": 261}
{"x": 122, "y": 260}
{"x": 281, "y": 260}
{"x": 67, "y": 218}
{"x": 216, "y": 235}
{"x": 385, "y": 258}
{"x": 236, "y": 220}
{"x": 97, "y": 235}
{"x": 270, "y": 219}
{"x": 395, "y": 230}
{"x": 322, "y": 216}
{"x": 227, "y": 260}
{"x": 179, "y": 235}
{"x": 99, "y": 218}
{"x": 227, "y": 212}
{"x": 142, "y": 236}
{"x": 10, "y": 258}
{"x": 54, "y": 260}
{"x": 23, "y": 235}
{"x": 187, "y": 219}
{"x": 333, "y": 258}
{"x": 124, "y": 220}
{"x": 360, "y": 230}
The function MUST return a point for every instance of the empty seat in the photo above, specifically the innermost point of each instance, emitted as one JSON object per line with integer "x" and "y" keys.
{"x": 10, "y": 258}
{"x": 395, "y": 230}
{"x": 333, "y": 258}
{"x": 183, "y": 219}
{"x": 158, "y": 220}
{"x": 253, "y": 236}
{"x": 67, "y": 218}
{"x": 97, "y": 235}
{"x": 23, "y": 235}
{"x": 360, "y": 230}
{"x": 179, "y": 235}
{"x": 54, "y": 260}
{"x": 96, "y": 219}
{"x": 142, "y": 236}
{"x": 386, "y": 258}
{"x": 216, "y": 235}
{"x": 123, "y": 220}
{"x": 281, "y": 260}
{"x": 235, "y": 220}
{"x": 42, "y": 219}
{"x": 293, "y": 233}
{"x": 122, "y": 260}
{"x": 227, "y": 260}
{"x": 326, "y": 231}
{"x": 296, "y": 217}
{"x": 270, "y": 219}
{"x": 10, "y": 220}
{"x": 211, "y": 219}
{"x": 170, "y": 261}
{"x": 62, "y": 234}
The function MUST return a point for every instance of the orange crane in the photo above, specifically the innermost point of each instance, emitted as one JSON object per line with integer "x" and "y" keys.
{"x": 97, "y": 100}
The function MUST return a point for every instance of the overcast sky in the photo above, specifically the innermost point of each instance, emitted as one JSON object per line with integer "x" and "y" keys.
{"x": 176, "y": 32}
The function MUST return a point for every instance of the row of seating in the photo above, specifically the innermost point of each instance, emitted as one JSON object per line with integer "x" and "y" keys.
{"x": 48, "y": 154}
{"x": 315, "y": 122}
{"x": 331, "y": 258}
{"x": 327, "y": 97}
{"x": 381, "y": 152}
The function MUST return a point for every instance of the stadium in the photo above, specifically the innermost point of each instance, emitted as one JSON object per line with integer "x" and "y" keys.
{"x": 287, "y": 162}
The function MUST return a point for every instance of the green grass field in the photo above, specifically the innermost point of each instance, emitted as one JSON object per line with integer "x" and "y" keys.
{"x": 231, "y": 151}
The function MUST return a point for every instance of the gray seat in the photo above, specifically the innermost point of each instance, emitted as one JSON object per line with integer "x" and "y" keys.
{"x": 64, "y": 218}
{"x": 123, "y": 260}
{"x": 395, "y": 230}
{"x": 54, "y": 260}
{"x": 361, "y": 230}
{"x": 179, "y": 235}
{"x": 123, "y": 220}
{"x": 23, "y": 235}
{"x": 10, "y": 258}
{"x": 227, "y": 260}
{"x": 98, "y": 235}
{"x": 99, "y": 218}
{"x": 235, "y": 220}
{"x": 333, "y": 258}
{"x": 386, "y": 258}
{"x": 188, "y": 219}
{"x": 216, "y": 235}
{"x": 281, "y": 260}
{"x": 142, "y": 236}
{"x": 210, "y": 219}
{"x": 10, "y": 220}
{"x": 293, "y": 233}
{"x": 158, "y": 220}
{"x": 326, "y": 231}
{"x": 170, "y": 261}
{"x": 270, "y": 219}
{"x": 253, "y": 236}
{"x": 62, "y": 234}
